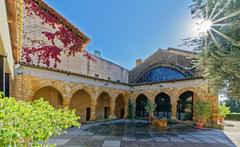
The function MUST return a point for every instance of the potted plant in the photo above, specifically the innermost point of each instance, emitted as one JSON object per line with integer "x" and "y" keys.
{"x": 150, "y": 108}
{"x": 223, "y": 112}
{"x": 160, "y": 123}
{"x": 202, "y": 111}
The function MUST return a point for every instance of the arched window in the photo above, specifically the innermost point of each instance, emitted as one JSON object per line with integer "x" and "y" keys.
{"x": 163, "y": 109}
{"x": 159, "y": 74}
{"x": 185, "y": 106}
{"x": 140, "y": 106}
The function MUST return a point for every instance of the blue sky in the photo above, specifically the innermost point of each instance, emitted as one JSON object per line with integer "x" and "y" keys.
{"x": 124, "y": 30}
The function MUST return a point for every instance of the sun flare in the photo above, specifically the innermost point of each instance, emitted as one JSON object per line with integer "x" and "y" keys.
{"x": 213, "y": 21}
{"x": 205, "y": 26}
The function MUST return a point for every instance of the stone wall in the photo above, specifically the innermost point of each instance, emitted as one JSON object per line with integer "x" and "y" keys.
{"x": 174, "y": 90}
{"x": 29, "y": 80}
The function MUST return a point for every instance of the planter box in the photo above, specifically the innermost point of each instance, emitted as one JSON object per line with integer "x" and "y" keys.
{"x": 160, "y": 123}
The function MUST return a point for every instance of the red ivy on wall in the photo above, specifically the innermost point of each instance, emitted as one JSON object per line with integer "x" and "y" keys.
{"x": 71, "y": 42}
{"x": 89, "y": 56}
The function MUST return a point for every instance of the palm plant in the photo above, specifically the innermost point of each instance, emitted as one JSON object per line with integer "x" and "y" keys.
{"x": 150, "y": 108}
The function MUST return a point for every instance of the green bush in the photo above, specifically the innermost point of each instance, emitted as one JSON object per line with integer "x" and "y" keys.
{"x": 202, "y": 110}
{"x": 32, "y": 123}
{"x": 150, "y": 107}
{"x": 214, "y": 126}
{"x": 233, "y": 116}
{"x": 223, "y": 110}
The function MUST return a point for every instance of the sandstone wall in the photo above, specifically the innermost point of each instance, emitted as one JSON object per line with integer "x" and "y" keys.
{"x": 29, "y": 80}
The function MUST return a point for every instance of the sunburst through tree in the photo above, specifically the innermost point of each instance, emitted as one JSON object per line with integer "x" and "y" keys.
{"x": 218, "y": 43}
{"x": 216, "y": 18}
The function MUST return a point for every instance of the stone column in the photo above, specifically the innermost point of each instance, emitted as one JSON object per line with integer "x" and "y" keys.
{"x": 152, "y": 100}
{"x": 174, "y": 108}
{"x": 133, "y": 107}
{"x": 66, "y": 102}
{"x": 112, "y": 109}
{"x": 125, "y": 109}
{"x": 93, "y": 108}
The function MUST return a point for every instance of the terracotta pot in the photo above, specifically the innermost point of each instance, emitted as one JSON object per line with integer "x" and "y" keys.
{"x": 221, "y": 119}
{"x": 150, "y": 118}
{"x": 200, "y": 124}
{"x": 161, "y": 123}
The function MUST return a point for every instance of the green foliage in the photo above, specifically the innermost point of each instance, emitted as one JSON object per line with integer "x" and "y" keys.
{"x": 29, "y": 123}
{"x": 214, "y": 126}
{"x": 223, "y": 110}
{"x": 96, "y": 52}
{"x": 219, "y": 55}
{"x": 233, "y": 104}
{"x": 150, "y": 107}
{"x": 233, "y": 116}
{"x": 130, "y": 109}
{"x": 202, "y": 109}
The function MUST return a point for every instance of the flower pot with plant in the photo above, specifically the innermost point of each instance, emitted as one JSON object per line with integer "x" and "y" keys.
{"x": 160, "y": 123}
{"x": 202, "y": 111}
{"x": 150, "y": 108}
{"x": 223, "y": 111}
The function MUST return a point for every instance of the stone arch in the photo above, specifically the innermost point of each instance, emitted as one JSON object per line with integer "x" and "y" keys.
{"x": 119, "y": 106}
{"x": 81, "y": 102}
{"x": 163, "y": 109}
{"x": 197, "y": 92}
{"x": 103, "y": 106}
{"x": 50, "y": 94}
{"x": 185, "y": 105}
{"x": 166, "y": 91}
{"x": 88, "y": 90}
{"x": 140, "y": 106}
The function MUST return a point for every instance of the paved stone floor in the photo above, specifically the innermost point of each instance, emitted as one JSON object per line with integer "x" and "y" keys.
{"x": 138, "y": 133}
{"x": 232, "y": 130}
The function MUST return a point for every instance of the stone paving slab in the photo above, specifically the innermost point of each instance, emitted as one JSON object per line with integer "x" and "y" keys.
{"x": 58, "y": 141}
{"x": 139, "y": 133}
{"x": 111, "y": 143}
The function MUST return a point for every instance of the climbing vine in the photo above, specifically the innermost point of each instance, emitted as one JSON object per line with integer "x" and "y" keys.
{"x": 45, "y": 52}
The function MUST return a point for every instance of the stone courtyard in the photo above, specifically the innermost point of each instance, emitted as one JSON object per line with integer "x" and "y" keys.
{"x": 139, "y": 133}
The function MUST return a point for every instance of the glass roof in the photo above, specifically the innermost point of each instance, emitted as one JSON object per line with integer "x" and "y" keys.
{"x": 160, "y": 74}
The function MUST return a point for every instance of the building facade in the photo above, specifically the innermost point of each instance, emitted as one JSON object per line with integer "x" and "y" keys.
{"x": 6, "y": 45}
{"x": 51, "y": 63}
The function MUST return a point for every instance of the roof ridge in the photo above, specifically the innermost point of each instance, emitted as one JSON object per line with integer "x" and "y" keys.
{"x": 181, "y": 50}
